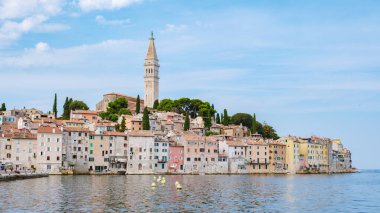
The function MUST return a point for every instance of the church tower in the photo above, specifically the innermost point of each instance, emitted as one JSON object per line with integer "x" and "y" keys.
{"x": 151, "y": 68}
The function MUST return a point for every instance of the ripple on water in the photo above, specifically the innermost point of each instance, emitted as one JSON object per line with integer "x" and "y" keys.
{"x": 215, "y": 193}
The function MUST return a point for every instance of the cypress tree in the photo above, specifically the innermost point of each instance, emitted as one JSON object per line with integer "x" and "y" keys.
{"x": 146, "y": 125}
{"x": 138, "y": 104}
{"x": 254, "y": 124}
{"x": 217, "y": 118}
{"x": 186, "y": 126}
{"x": 155, "y": 104}
{"x": 3, "y": 107}
{"x": 225, "y": 118}
{"x": 66, "y": 109}
{"x": 208, "y": 120}
{"x": 55, "y": 111}
{"x": 122, "y": 125}
{"x": 221, "y": 118}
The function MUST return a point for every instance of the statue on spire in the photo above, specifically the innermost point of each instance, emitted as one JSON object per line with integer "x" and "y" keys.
{"x": 151, "y": 35}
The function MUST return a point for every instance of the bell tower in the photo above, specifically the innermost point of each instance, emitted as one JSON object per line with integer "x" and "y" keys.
{"x": 151, "y": 76}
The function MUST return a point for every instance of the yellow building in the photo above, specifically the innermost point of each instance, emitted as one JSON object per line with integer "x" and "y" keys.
{"x": 292, "y": 153}
{"x": 314, "y": 155}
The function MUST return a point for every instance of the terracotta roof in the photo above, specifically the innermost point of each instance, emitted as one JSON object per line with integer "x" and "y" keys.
{"x": 94, "y": 112}
{"x": 24, "y": 135}
{"x": 48, "y": 129}
{"x": 115, "y": 134}
{"x": 235, "y": 143}
{"x": 75, "y": 129}
{"x": 141, "y": 134}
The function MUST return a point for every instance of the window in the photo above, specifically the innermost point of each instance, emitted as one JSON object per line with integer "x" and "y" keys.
{"x": 48, "y": 158}
{"x": 57, "y": 140}
{"x": 57, "y": 157}
{"x": 188, "y": 159}
{"x": 91, "y": 151}
{"x": 91, "y": 159}
{"x": 8, "y": 155}
{"x": 106, "y": 159}
{"x": 48, "y": 167}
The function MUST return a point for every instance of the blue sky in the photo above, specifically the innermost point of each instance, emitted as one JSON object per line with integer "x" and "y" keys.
{"x": 305, "y": 67}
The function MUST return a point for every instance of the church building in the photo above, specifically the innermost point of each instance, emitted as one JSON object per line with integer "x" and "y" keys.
{"x": 151, "y": 81}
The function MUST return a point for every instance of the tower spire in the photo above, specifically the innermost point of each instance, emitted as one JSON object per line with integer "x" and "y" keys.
{"x": 151, "y": 54}
{"x": 151, "y": 76}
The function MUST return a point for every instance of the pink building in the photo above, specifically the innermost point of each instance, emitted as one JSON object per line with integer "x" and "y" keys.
{"x": 176, "y": 158}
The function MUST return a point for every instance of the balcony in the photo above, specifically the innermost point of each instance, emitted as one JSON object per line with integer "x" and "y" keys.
{"x": 162, "y": 160}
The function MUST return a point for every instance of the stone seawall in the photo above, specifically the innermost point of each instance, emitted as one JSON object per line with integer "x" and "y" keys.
{"x": 9, "y": 177}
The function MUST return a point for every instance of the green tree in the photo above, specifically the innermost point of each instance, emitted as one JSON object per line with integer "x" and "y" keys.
{"x": 254, "y": 125}
{"x": 55, "y": 111}
{"x": 138, "y": 104}
{"x": 186, "y": 125}
{"x": 3, "y": 107}
{"x": 217, "y": 118}
{"x": 242, "y": 118}
{"x": 115, "y": 106}
{"x": 78, "y": 105}
{"x": 207, "y": 120}
{"x": 146, "y": 125}
{"x": 66, "y": 108}
{"x": 221, "y": 118}
{"x": 166, "y": 105}
{"x": 122, "y": 125}
{"x": 225, "y": 118}
{"x": 269, "y": 132}
{"x": 115, "y": 109}
{"x": 156, "y": 104}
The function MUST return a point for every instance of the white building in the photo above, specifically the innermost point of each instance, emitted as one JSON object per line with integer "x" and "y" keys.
{"x": 76, "y": 148}
{"x": 49, "y": 149}
{"x": 140, "y": 154}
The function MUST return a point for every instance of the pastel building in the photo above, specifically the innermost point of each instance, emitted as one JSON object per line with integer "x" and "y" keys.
{"x": 49, "y": 149}
{"x": 118, "y": 151}
{"x": 161, "y": 154}
{"x": 76, "y": 148}
{"x": 98, "y": 160}
{"x": 23, "y": 153}
{"x": 140, "y": 153}
{"x": 292, "y": 153}
{"x": 277, "y": 157}
{"x": 257, "y": 157}
{"x": 176, "y": 158}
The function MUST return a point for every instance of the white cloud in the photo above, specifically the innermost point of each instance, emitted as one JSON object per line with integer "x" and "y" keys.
{"x": 42, "y": 47}
{"x": 174, "y": 28}
{"x": 11, "y": 9}
{"x": 42, "y": 55}
{"x": 51, "y": 27}
{"x": 11, "y": 30}
{"x": 19, "y": 17}
{"x": 88, "y": 5}
{"x": 117, "y": 22}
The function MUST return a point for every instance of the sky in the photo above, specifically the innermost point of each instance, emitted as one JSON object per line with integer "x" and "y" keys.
{"x": 304, "y": 67}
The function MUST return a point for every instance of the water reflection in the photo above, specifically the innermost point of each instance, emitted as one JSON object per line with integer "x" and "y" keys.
{"x": 215, "y": 193}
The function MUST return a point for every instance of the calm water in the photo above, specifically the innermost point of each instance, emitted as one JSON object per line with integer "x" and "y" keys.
{"x": 220, "y": 193}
